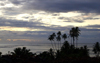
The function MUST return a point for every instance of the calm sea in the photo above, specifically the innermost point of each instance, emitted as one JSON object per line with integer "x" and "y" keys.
{"x": 38, "y": 48}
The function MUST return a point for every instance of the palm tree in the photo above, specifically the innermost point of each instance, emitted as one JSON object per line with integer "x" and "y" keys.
{"x": 64, "y": 36}
{"x": 54, "y": 35}
{"x": 51, "y": 38}
{"x": 59, "y": 39}
{"x": 77, "y": 33}
{"x": 72, "y": 34}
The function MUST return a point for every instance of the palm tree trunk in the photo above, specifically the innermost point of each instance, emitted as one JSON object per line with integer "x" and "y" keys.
{"x": 73, "y": 41}
{"x": 52, "y": 46}
{"x": 60, "y": 44}
{"x": 76, "y": 42}
{"x": 97, "y": 54}
{"x": 55, "y": 46}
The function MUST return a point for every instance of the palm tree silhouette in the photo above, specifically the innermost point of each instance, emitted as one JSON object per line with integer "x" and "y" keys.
{"x": 59, "y": 39}
{"x": 77, "y": 33}
{"x": 72, "y": 34}
{"x": 64, "y": 36}
{"x": 51, "y": 38}
{"x": 54, "y": 36}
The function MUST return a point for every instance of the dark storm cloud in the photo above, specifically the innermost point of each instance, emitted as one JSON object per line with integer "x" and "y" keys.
{"x": 64, "y": 5}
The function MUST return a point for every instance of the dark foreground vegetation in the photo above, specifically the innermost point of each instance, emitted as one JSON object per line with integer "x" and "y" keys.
{"x": 67, "y": 54}
{"x": 59, "y": 53}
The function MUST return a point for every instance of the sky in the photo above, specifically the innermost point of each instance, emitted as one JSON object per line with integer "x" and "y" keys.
{"x": 32, "y": 21}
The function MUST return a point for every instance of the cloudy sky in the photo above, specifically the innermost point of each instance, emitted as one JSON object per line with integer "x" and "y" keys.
{"x": 32, "y": 21}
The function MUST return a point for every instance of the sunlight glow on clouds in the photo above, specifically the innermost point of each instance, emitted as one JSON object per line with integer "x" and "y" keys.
{"x": 18, "y": 29}
{"x": 70, "y": 14}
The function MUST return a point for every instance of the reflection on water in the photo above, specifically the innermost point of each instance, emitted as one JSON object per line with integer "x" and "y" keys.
{"x": 37, "y": 48}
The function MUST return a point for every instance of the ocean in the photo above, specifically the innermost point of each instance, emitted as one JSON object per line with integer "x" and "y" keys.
{"x": 38, "y": 47}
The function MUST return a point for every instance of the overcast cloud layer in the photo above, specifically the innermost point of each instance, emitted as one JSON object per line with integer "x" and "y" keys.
{"x": 60, "y": 5}
{"x": 35, "y": 20}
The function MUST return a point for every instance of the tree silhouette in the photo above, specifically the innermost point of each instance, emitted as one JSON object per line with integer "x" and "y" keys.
{"x": 54, "y": 36}
{"x": 72, "y": 34}
{"x": 96, "y": 49}
{"x": 51, "y": 38}
{"x": 0, "y": 53}
{"x": 64, "y": 36}
{"x": 58, "y": 36}
{"x": 59, "y": 39}
{"x": 22, "y": 52}
{"x": 75, "y": 32}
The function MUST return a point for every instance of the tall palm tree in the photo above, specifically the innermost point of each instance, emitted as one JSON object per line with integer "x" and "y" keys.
{"x": 64, "y": 36}
{"x": 59, "y": 39}
{"x": 77, "y": 33}
{"x": 72, "y": 34}
{"x": 51, "y": 38}
{"x": 54, "y": 36}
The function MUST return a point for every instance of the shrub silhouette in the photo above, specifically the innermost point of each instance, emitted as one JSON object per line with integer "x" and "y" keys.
{"x": 68, "y": 50}
{"x": 22, "y": 52}
{"x": 96, "y": 49}
{"x": 46, "y": 56}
